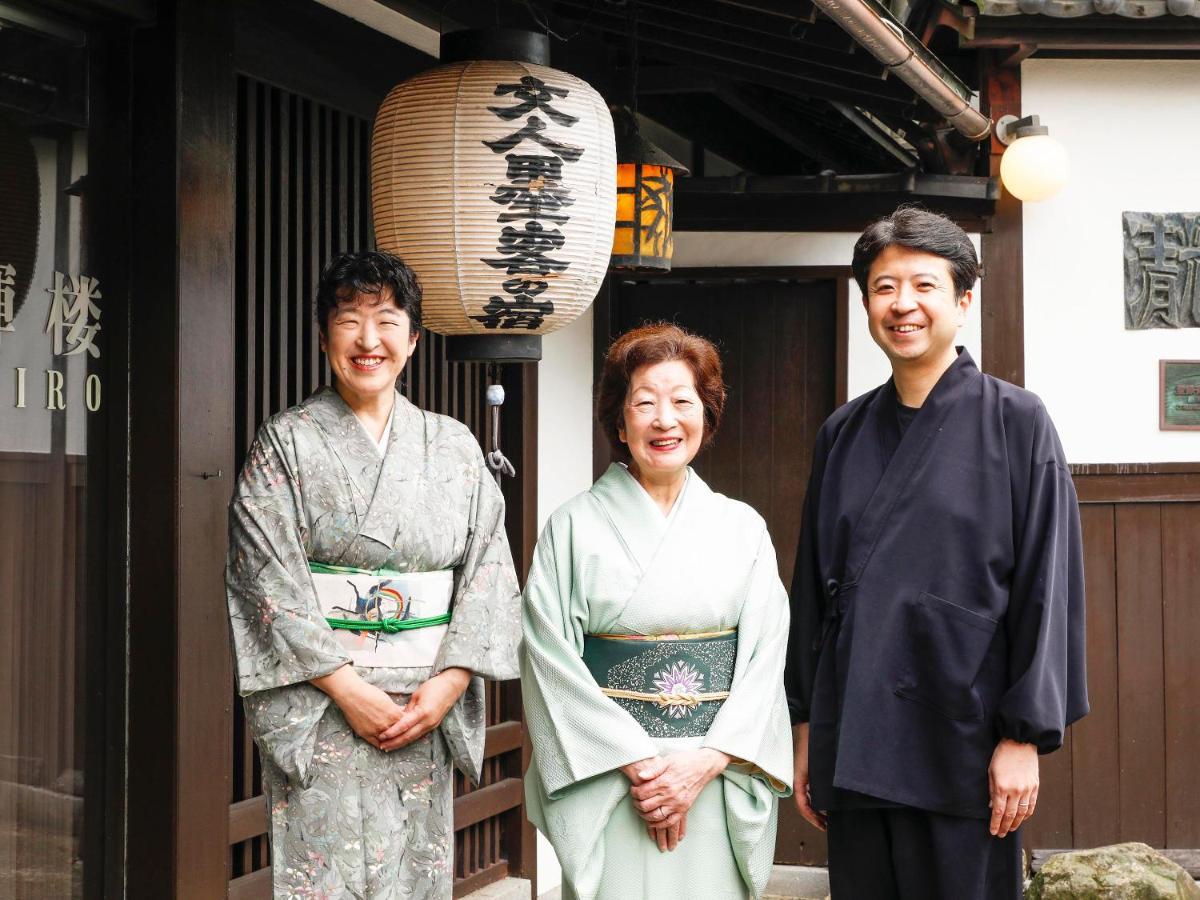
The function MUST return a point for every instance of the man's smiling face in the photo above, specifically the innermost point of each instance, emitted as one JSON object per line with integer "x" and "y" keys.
{"x": 912, "y": 308}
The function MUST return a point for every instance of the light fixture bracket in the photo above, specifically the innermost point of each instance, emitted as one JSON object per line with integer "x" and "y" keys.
{"x": 1010, "y": 128}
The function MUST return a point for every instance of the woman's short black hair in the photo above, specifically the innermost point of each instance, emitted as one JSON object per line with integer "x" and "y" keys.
{"x": 922, "y": 230}
{"x": 368, "y": 272}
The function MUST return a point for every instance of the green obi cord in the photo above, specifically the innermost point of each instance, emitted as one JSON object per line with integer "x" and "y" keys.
{"x": 383, "y": 618}
{"x": 673, "y": 685}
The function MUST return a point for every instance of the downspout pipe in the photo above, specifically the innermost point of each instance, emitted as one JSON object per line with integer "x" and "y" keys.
{"x": 872, "y": 26}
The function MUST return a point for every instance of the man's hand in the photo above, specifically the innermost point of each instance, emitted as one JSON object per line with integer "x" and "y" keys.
{"x": 800, "y": 779}
{"x": 663, "y": 801}
{"x": 425, "y": 709}
{"x": 367, "y": 709}
{"x": 1013, "y": 783}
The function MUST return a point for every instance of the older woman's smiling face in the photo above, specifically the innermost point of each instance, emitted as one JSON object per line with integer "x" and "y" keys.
{"x": 368, "y": 341}
{"x": 663, "y": 420}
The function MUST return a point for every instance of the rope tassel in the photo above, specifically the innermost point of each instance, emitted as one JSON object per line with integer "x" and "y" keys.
{"x": 496, "y": 460}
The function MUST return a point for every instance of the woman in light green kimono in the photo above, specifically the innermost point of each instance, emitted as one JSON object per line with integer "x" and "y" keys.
{"x": 370, "y": 586}
{"x": 652, "y": 662}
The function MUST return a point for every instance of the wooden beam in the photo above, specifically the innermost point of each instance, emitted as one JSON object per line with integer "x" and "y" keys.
{"x": 708, "y": 121}
{"x": 774, "y": 122}
{"x": 255, "y": 886}
{"x": 1018, "y": 55}
{"x": 247, "y": 819}
{"x": 1003, "y": 309}
{"x": 745, "y": 65}
{"x": 798, "y": 55}
{"x": 1116, "y": 33}
{"x": 486, "y": 802}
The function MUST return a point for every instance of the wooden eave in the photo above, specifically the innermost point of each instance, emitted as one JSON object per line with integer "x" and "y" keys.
{"x": 828, "y": 202}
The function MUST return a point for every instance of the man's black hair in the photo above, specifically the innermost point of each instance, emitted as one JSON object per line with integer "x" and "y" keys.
{"x": 368, "y": 272}
{"x": 924, "y": 231}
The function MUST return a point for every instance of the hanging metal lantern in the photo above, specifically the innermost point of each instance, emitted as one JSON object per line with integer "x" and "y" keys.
{"x": 494, "y": 177}
{"x": 643, "y": 238}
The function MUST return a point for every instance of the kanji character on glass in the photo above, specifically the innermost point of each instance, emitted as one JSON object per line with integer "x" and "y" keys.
{"x": 73, "y": 310}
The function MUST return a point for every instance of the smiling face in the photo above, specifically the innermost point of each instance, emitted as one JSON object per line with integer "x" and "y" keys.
{"x": 368, "y": 341}
{"x": 912, "y": 310}
{"x": 663, "y": 420}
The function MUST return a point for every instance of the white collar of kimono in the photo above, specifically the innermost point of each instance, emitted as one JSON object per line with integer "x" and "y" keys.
{"x": 635, "y": 516}
{"x": 687, "y": 474}
{"x": 382, "y": 443}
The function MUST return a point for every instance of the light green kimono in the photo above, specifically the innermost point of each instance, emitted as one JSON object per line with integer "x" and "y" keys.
{"x": 610, "y": 562}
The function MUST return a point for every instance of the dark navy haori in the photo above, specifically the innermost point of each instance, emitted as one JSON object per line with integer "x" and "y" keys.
{"x": 937, "y": 605}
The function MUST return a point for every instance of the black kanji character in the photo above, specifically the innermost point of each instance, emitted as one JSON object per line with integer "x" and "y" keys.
{"x": 533, "y": 131}
{"x": 534, "y": 94}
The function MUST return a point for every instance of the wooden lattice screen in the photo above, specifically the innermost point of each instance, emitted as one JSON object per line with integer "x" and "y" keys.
{"x": 303, "y": 195}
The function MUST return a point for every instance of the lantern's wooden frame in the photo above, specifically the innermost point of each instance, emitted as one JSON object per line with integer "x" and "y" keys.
{"x": 643, "y": 237}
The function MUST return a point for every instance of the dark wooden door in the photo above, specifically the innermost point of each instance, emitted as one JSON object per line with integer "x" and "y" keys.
{"x": 778, "y": 343}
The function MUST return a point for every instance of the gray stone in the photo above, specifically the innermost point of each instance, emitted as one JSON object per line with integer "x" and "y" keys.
{"x": 505, "y": 889}
{"x": 1121, "y": 872}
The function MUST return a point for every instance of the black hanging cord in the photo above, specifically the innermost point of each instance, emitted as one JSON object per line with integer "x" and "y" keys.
{"x": 544, "y": 23}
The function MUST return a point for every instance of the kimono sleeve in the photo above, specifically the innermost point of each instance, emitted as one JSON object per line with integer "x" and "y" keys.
{"x": 1045, "y": 620}
{"x": 752, "y": 725}
{"x": 279, "y": 635}
{"x": 485, "y": 626}
{"x": 807, "y": 599}
{"x": 576, "y": 731}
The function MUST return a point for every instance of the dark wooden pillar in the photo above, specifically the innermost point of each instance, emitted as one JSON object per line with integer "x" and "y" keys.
{"x": 181, "y": 452}
{"x": 519, "y": 440}
{"x": 1003, "y": 246}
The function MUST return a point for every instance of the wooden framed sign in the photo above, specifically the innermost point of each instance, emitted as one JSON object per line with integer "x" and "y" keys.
{"x": 1179, "y": 395}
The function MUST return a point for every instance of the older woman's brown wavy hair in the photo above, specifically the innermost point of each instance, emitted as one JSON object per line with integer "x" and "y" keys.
{"x": 648, "y": 346}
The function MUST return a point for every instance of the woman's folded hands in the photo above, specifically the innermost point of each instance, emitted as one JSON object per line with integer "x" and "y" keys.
{"x": 665, "y": 787}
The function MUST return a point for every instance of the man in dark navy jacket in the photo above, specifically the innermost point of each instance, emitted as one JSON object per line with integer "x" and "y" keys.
{"x": 937, "y": 637}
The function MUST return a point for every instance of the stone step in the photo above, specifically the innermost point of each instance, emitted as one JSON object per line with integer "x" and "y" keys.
{"x": 787, "y": 883}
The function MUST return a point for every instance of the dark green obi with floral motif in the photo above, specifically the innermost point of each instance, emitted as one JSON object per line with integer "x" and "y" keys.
{"x": 672, "y": 684}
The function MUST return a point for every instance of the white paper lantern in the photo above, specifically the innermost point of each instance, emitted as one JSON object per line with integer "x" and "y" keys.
{"x": 496, "y": 182}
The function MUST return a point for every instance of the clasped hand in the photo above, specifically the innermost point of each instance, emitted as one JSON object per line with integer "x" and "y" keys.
{"x": 665, "y": 787}
{"x": 381, "y": 721}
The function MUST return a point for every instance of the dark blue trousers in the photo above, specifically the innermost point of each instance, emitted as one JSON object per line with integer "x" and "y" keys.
{"x": 900, "y": 853}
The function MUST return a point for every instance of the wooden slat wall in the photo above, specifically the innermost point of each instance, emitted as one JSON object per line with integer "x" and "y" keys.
{"x": 302, "y": 184}
{"x": 1129, "y": 771}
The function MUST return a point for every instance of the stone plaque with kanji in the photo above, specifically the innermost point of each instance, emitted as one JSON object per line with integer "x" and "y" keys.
{"x": 1162, "y": 270}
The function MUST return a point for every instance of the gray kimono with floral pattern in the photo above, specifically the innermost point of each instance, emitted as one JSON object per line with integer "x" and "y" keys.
{"x": 348, "y": 820}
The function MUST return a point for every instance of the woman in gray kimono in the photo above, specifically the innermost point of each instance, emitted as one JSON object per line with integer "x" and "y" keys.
{"x": 370, "y": 589}
{"x": 652, "y": 663}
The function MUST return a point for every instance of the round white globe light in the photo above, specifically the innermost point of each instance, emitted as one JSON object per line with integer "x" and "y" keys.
{"x": 1035, "y": 168}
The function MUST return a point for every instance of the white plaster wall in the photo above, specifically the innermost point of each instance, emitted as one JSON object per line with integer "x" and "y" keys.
{"x": 866, "y": 363}
{"x": 1132, "y": 129}
{"x": 564, "y": 460}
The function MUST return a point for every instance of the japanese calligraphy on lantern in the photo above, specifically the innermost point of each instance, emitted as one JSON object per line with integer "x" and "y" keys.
{"x": 496, "y": 181}
{"x": 1162, "y": 270}
{"x": 533, "y": 194}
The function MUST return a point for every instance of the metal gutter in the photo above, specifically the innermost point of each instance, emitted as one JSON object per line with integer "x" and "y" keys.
{"x": 885, "y": 38}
